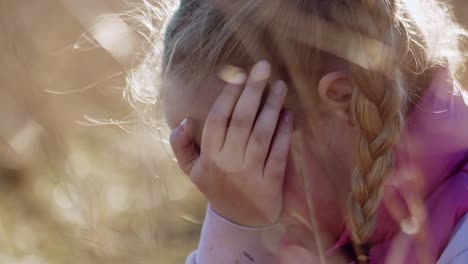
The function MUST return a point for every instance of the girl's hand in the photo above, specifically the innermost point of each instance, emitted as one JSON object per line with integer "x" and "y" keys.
{"x": 242, "y": 159}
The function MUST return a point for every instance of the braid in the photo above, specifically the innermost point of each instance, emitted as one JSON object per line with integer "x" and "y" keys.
{"x": 377, "y": 108}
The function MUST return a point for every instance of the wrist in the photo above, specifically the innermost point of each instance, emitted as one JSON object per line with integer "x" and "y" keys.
{"x": 244, "y": 220}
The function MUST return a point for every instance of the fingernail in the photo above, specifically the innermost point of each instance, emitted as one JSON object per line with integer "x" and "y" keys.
{"x": 232, "y": 74}
{"x": 238, "y": 79}
{"x": 261, "y": 70}
{"x": 183, "y": 125}
{"x": 279, "y": 87}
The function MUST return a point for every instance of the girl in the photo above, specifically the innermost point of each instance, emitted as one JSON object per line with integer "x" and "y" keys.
{"x": 334, "y": 125}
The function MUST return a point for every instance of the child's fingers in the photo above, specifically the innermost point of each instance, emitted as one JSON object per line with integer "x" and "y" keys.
{"x": 183, "y": 145}
{"x": 277, "y": 159}
{"x": 246, "y": 109}
{"x": 264, "y": 128}
{"x": 214, "y": 131}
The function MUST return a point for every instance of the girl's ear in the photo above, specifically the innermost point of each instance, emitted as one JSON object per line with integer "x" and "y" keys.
{"x": 335, "y": 91}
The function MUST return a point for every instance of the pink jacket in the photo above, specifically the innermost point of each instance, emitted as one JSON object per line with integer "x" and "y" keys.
{"x": 434, "y": 147}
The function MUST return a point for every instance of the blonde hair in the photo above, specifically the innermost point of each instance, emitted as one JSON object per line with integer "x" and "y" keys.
{"x": 388, "y": 47}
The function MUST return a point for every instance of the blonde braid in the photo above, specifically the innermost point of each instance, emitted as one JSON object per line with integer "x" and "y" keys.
{"x": 377, "y": 108}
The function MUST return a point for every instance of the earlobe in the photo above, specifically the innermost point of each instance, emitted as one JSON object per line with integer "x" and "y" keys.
{"x": 335, "y": 90}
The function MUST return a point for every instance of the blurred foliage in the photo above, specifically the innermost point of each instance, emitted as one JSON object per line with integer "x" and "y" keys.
{"x": 72, "y": 191}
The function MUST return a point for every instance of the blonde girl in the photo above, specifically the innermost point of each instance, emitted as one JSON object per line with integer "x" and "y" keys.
{"x": 337, "y": 120}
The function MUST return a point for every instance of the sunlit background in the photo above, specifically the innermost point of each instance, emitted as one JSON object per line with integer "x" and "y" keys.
{"x": 80, "y": 180}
